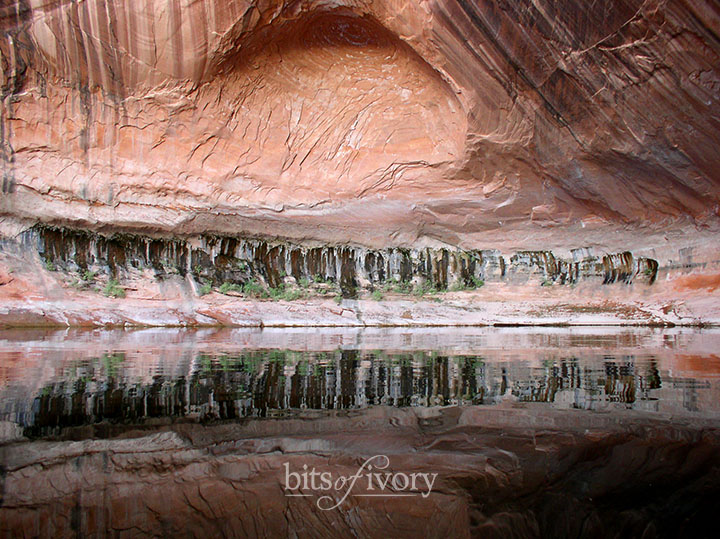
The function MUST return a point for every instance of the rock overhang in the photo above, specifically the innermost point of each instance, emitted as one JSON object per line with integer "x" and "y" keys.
{"x": 376, "y": 122}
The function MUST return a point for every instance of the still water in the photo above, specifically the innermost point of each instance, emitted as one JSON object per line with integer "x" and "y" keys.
{"x": 513, "y": 432}
{"x": 51, "y": 382}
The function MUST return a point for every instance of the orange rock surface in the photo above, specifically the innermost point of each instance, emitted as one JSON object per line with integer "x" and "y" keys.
{"x": 380, "y": 122}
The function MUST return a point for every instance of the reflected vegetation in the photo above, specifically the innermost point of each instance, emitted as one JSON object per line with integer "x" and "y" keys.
{"x": 532, "y": 432}
{"x": 140, "y": 381}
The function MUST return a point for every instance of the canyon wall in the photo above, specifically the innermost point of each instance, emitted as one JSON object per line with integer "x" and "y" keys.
{"x": 548, "y": 133}
{"x": 384, "y": 122}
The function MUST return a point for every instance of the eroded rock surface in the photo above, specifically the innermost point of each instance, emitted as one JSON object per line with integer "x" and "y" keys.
{"x": 69, "y": 277}
{"x": 493, "y": 479}
{"x": 387, "y": 122}
{"x": 549, "y": 136}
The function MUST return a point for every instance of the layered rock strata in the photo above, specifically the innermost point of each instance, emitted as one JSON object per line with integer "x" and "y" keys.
{"x": 518, "y": 130}
{"x": 238, "y": 261}
{"x": 389, "y": 122}
{"x": 70, "y": 277}
{"x": 499, "y": 473}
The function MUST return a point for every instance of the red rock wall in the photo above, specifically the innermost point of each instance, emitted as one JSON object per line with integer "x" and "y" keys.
{"x": 379, "y": 122}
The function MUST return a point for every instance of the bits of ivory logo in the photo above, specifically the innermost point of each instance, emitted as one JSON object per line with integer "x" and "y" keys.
{"x": 372, "y": 479}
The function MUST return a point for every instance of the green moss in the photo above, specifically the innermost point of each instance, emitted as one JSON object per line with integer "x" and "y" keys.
{"x": 50, "y": 266}
{"x": 377, "y": 295}
{"x": 338, "y": 299}
{"x": 88, "y": 276}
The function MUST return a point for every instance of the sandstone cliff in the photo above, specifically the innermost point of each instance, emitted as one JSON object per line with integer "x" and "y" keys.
{"x": 515, "y": 126}
{"x": 382, "y": 121}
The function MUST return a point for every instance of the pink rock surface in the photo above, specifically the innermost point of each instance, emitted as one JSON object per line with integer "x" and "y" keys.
{"x": 486, "y": 125}
{"x": 499, "y": 474}
{"x": 385, "y": 122}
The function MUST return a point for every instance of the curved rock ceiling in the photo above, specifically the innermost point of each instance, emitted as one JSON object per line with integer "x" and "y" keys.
{"x": 378, "y": 122}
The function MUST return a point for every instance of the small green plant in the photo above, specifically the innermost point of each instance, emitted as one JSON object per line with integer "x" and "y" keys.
{"x": 50, "y": 266}
{"x": 254, "y": 290}
{"x": 547, "y": 282}
{"x": 303, "y": 283}
{"x": 377, "y": 295}
{"x": 88, "y": 276}
{"x": 338, "y": 299}
{"x": 476, "y": 282}
{"x": 471, "y": 284}
{"x": 230, "y": 287}
{"x": 399, "y": 287}
{"x": 277, "y": 292}
{"x": 205, "y": 289}
{"x": 423, "y": 289}
{"x": 113, "y": 289}
{"x": 292, "y": 294}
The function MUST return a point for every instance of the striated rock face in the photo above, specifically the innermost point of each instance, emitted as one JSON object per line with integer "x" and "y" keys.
{"x": 55, "y": 276}
{"x": 218, "y": 260}
{"x": 385, "y": 122}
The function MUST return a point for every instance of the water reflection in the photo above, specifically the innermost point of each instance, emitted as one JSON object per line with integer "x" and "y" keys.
{"x": 52, "y": 382}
